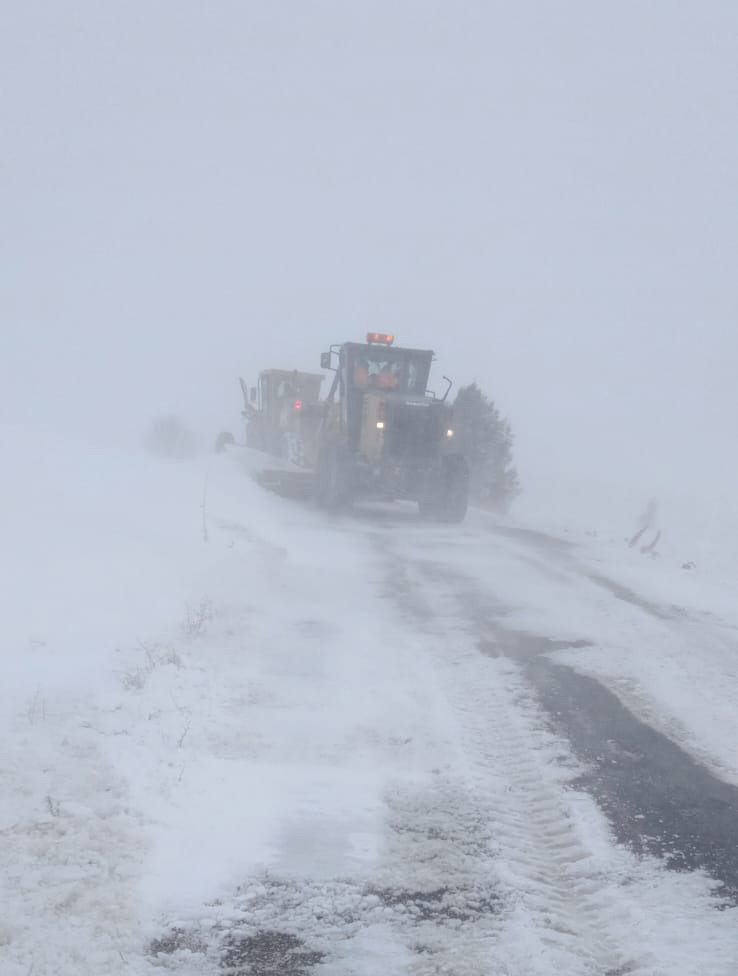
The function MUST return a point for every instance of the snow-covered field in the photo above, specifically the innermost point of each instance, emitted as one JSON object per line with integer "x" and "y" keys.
{"x": 241, "y": 738}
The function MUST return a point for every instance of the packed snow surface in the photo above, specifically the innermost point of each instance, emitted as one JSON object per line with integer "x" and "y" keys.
{"x": 240, "y": 737}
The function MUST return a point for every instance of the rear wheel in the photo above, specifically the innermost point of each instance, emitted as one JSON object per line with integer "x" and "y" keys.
{"x": 454, "y": 495}
{"x": 448, "y": 499}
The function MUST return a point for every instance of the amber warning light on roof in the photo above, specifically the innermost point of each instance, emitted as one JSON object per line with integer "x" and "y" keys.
{"x": 386, "y": 340}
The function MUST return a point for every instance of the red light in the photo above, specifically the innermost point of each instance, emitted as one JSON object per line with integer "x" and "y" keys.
{"x": 298, "y": 404}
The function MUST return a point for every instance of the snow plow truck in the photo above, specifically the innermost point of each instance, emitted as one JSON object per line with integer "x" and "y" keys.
{"x": 380, "y": 433}
{"x": 383, "y": 434}
{"x": 283, "y": 413}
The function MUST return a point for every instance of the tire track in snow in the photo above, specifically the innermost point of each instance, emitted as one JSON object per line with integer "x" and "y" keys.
{"x": 659, "y": 798}
{"x": 551, "y": 885}
{"x": 579, "y": 901}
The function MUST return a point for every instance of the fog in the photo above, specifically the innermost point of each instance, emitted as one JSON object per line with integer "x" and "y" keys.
{"x": 542, "y": 193}
{"x": 270, "y": 731}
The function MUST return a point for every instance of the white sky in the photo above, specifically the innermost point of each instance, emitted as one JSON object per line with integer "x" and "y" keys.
{"x": 545, "y": 193}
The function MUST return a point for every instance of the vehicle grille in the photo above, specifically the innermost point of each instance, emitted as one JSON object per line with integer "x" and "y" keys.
{"x": 413, "y": 431}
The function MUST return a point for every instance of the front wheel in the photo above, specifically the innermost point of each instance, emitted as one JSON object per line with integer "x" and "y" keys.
{"x": 332, "y": 481}
{"x": 428, "y": 506}
{"x": 454, "y": 496}
{"x": 448, "y": 499}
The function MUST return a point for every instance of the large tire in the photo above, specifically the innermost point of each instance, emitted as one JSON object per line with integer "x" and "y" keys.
{"x": 332, "y": 481}
{"x": 319, "y": 479}
{"x": 453, "y": 496}
{"x": 428, "y": 506}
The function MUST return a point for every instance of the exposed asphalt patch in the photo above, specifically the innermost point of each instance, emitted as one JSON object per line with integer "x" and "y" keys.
{"x": 524, "y": 644}
{"x": 267, "y": 954}
{"x": 542, "y": 540}
{"x": 440, "y": 904}
{"x": 658, "y": 799}
{"x": 176, "y": 940}
{"x": 627, "y": 595}
{"x": 239, "y": 952}
{"x": 285, "y": 927}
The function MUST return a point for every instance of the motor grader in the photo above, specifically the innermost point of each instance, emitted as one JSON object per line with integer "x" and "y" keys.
{"x": 283, "y": 413}
{"x": 383, "y": 434}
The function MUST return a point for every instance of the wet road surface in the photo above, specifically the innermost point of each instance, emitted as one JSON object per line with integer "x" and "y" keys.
{"x": 658, "y": 799}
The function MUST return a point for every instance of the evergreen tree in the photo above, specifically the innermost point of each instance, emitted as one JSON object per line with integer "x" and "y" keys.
{"x": 486, "y": 440}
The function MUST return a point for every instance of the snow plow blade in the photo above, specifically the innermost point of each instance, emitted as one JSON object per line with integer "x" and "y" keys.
{"x": 288, "y": 484}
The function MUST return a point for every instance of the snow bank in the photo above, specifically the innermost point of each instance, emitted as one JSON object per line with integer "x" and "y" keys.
{"x": 101, "y": 554}
{"x": 181, "y": 714}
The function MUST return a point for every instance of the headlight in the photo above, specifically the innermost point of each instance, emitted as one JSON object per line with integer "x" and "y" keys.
{"x": 380, "y": 425}
{"x": 449, "y": 433}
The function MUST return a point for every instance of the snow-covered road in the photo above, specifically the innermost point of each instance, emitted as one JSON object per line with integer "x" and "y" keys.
{"x": 365, "y": 746}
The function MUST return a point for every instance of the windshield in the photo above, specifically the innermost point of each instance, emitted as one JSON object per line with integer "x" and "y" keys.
{"x": 395, "y": 370}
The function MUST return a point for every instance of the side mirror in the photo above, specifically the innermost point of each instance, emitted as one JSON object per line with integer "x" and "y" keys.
{"x": 252, "y": 394}
{"x": 325, "y": 360}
